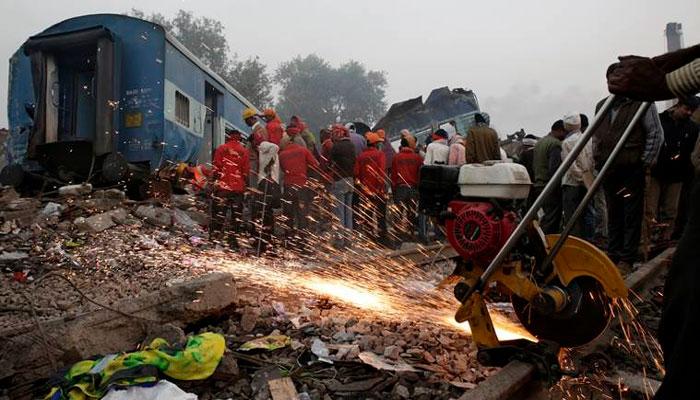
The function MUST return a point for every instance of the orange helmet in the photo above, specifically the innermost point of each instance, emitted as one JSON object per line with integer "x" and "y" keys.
{"x": 372, "y": 138}
{"x": 269, "y": 113}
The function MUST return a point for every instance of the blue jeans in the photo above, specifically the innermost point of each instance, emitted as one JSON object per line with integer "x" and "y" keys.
{"x": 343, "y": 190}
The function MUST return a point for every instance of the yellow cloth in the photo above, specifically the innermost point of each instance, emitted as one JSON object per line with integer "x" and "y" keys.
{"x": 198, "y": 360}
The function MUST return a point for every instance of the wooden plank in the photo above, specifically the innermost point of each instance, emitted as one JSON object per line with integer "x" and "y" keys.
{"x": 35, "y": 353}
{"x": 283, "y": 389}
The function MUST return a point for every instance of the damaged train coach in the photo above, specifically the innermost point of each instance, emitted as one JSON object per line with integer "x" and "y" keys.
{"x": 104, "y": 97}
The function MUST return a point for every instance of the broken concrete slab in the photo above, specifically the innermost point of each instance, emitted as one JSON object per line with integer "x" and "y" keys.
{"x": 64, "y": 341}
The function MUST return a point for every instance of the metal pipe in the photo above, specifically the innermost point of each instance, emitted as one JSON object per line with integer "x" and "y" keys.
{"x": 548, "y": 189}
{"x": 596, "y": 183}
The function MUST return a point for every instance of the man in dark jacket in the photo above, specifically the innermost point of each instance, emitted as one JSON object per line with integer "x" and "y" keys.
{"x": 546, "y": 158}
{"x": 663, "y": 77}
{"x": 673, "y": 166}
{"x": 624, "y": 184}
{"x": 341, "y": 171}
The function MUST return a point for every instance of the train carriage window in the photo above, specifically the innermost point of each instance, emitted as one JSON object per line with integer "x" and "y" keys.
{"x": 182, "y": 109}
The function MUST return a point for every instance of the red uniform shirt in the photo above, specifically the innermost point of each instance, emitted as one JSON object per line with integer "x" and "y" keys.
{"x": 274, "y": 131}
{"x": 295, "y": 161}
{"x": 232, "y": 166}
{"x": 405, "y": 168}
{"x": 369, "y": 171}
{"x": 326, "y": 159}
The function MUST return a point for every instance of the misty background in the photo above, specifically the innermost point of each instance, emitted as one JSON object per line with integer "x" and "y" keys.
{"x": 529, "y": 63}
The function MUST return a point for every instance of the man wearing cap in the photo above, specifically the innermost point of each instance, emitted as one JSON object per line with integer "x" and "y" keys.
{"x": 577, "y": 178}
{"x": 481, "y": 143}
{"x": 259, "y": 133}
{"x": 437, "y": 152}
{"x": 267, "y": 196}
{"x": 257, "y": 136}
{"x": 370, "y": 179}
{"x": 273, "y": 127}
{"x": 292, "y": 135}
{"x": 673, "y": 166}
{"x": 230, "y": 172}
{"x": 404, "y": 182}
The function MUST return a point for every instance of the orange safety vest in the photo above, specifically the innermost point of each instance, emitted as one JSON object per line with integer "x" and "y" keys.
{"x": 199, "y": 180}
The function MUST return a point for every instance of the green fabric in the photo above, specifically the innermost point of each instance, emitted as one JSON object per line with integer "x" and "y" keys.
{"x": 197, "y": 360}
{"x": 540, "y": 163}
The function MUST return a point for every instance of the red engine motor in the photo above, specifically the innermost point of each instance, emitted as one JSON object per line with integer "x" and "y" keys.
{"x": 478, "y": 230}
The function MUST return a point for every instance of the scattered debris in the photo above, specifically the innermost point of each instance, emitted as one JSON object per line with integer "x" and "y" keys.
{"x": 269, "y": 343}
{"x": 380, "y": 362}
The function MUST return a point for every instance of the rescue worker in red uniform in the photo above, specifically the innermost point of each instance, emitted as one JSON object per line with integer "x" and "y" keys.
{"x": 296, "y": 161}
{"x": 273, "y": 127}
{"x": 370, "y": 179}
{"x": 404, "y": 183}
{"x": 230, "y": 173}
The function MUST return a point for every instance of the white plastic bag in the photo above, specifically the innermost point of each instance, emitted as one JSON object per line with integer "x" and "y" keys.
{"x": 163, "y": 390}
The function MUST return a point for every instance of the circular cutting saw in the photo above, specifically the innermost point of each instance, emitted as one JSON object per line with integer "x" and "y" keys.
{"x": 563, "y": 297}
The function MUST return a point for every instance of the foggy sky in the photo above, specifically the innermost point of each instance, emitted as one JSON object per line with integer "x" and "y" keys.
{"x": 529, "y": 62}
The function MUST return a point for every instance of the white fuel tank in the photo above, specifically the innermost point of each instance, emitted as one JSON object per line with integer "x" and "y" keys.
{"x": 500, "y": 180}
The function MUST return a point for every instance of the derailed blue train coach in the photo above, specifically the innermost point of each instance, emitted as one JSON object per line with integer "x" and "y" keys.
{"x": 101, "y": 95}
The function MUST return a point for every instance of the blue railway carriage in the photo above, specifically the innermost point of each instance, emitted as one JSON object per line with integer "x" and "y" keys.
{"x": 100, "y": 96}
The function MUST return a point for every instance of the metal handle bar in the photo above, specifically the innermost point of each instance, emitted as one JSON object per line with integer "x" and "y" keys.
{"x": 548, "y": 189}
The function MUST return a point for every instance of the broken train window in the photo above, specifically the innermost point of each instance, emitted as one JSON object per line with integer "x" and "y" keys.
{"x": 182, "y": 109}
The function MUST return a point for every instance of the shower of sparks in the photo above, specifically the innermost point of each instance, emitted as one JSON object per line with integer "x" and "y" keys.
{"x": 381, "y": 287}
{"x": 357, "y": 296}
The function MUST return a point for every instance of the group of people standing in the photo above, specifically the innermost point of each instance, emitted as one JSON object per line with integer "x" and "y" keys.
{"x": 342, "y": 188}
{"x": 643, "y": 190}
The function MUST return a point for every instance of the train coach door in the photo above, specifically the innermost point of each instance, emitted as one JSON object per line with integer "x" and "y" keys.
{"x": 210, "y": 137}
{"x": 75, "y": 79}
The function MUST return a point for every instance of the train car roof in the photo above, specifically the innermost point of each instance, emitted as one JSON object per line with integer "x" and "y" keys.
{"x": 169, "y": 38}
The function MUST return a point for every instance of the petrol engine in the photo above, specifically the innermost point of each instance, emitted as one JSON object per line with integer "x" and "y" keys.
{"x": 477, "y": 204}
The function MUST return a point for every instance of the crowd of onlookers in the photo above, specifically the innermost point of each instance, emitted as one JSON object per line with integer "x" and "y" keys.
{"x": 645, "y": 193}
{"x": 348, "y": 184}
{"x": 344, "y": 187}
